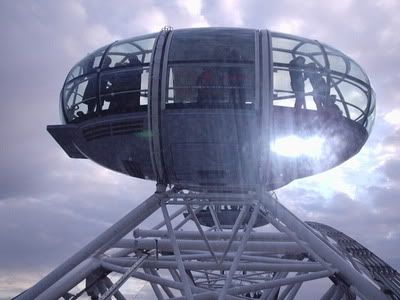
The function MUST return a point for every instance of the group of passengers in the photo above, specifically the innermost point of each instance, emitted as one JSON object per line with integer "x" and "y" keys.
{"x": 224, "y": 83}
{"x": 299, "y": 72}
{"x": 121, "y": 90}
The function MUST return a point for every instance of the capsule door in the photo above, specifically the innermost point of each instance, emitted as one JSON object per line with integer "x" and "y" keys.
{"x": 208, "y": 121}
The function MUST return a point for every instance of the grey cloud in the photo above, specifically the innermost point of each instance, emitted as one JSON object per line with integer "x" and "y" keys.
{"x": 361, "y": 29}
{"x": 391, "y": 170}
{"x": 51, "y": 205}
{"x": 393, "y": 139}
{"x": 373, "y": 220}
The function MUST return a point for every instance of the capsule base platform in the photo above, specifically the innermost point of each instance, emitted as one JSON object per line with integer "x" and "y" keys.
{"x": 232, "y": 258}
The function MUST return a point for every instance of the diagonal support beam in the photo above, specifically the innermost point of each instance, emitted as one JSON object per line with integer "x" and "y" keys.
{"x": 110, "y": 292}
{"x": 182, "y": 271}
{"x": 306, "y": 234}
{"x": 196, "y": 221}
{"x": 215, "y": 218}
{"x": 154, "y": 286}
{"x": 187, "y": 218}
{"x": 240, "y": 250}
{"x": 235, "y": 229}
{"x": 100, "y": 244}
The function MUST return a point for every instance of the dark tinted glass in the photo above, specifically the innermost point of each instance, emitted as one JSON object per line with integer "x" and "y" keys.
{"x": 211, "y": 68}
{"x": 212, "y": 45}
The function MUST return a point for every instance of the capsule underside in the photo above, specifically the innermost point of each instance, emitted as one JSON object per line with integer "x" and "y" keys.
{"x": 216, "y": 107}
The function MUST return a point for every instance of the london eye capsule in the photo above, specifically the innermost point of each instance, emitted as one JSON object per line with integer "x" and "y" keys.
{"x": 216, "y": 107}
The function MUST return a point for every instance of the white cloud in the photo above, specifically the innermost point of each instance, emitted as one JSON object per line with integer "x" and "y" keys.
{"x": 77, "y": 192}
{"x": 232, "y": 8}
{"x": 194, "y": 9}
{"x": 76, "y": 9}
{"x": 151, "y": 20}
{"x": 289, "y": 25}
{"x": 387, "y": 4}
{"x": 97, "y": 36}
{"x": 393, "y": 117}
{"x": 340, "y": 6}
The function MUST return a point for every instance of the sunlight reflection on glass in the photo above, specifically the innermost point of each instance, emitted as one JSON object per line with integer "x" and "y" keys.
{"x": 294, "y": 146}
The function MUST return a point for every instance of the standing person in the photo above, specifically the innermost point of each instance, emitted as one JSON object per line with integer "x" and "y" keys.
{"x": 89, "y": 95}
{"x": 236, "y": 80}
{"x": 127, "y": 85}
{"x": 135, "y": 82}
{"x": 296, "y": 66}
{"x": 318, "y": 83}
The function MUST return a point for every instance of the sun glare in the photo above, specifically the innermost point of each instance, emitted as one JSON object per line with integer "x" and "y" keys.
{"x": 294, "y": 146}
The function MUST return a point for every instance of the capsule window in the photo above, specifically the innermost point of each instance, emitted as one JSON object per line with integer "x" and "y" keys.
{"x": 130, "y": 53}
{"x": 87, "y": 65}
{"x": 211, "y": 69}
{"x": 125, "y": 76}
{"x": 80, "y": 100}
{"x": 314, "y": 77}
{"x": 124, "y": 90}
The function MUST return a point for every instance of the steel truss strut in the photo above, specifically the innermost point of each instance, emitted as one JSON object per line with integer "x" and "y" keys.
{"x": 218, "y": 245}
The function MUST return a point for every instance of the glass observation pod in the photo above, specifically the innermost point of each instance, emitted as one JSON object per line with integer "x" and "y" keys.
{"x": 216, "y": 107}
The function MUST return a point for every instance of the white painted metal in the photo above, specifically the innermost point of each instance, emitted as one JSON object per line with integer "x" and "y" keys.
{"x": 182, "y": 259}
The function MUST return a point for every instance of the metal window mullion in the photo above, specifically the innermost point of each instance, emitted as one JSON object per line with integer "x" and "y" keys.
{"x": 257, "y": 70}
{"x": 327, "y": 67}
{"x": 343, "y": 101}
{"x": 154, "y": 106}
{"x": 266, "y": 105}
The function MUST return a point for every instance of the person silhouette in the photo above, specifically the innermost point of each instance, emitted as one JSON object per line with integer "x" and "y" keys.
{"x": 318, "y": 83}
{"x": 235, "y": 80}
{"x": 127, "y": 85}
{"x": 296, "y": 67}
{"x": 89, "y": 95}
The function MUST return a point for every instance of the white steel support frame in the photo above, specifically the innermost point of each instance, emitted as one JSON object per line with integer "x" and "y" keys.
{"x": 181, "y": 258}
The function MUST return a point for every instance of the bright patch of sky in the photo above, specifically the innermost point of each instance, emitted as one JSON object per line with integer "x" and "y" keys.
{"x": 393, "y": 117}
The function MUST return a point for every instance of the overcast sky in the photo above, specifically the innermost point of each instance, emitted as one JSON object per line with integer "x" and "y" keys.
{"x": 51, "y": 205}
